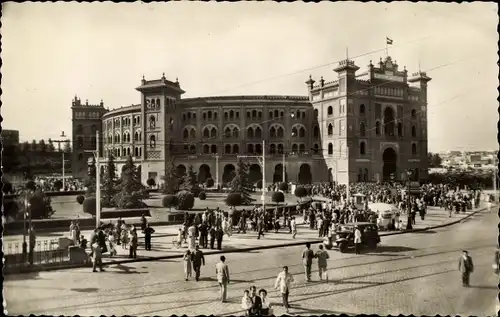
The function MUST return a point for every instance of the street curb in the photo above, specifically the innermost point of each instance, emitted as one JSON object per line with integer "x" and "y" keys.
{"x": 249, "y": 249}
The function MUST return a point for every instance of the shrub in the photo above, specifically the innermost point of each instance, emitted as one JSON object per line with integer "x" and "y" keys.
{"x": 278, "y": 197}
{"x": 202, "y": 196}
{"x": 7, "y": 187}
{"x": 30, "y": 185}
{"x": 40, "y": 206}
{"x": 80, "y": 199}
{"x": 169, "y": 201}
{"x": 300, "y": 192}
{"x": 58, "y": 185}
{"x": 283, "y": 187}
{"x": 233, "y": 199}
{"x": 185, "y": 200}
{"x": 195, "y": 191}
{"x": 150, "y": 182}
{"x": 209, "y": 182}
{"x": 89, "y": 205}
{"x": 259, "y": 184}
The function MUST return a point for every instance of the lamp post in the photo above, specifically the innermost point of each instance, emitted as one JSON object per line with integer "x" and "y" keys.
{"x": 408, "y": 208}
{"x": 25, "y": 245}
{"x": 63, "y": 166}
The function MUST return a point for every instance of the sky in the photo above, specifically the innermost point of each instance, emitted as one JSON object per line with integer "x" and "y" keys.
{"x": 54, "y": 51}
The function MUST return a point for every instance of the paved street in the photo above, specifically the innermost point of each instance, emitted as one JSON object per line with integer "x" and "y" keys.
{"x": 413, "y": 273}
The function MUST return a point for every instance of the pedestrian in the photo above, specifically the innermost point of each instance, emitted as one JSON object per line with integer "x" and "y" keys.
{"x": 293, "y": 226}
{"x": 97, "y": 257}
{"x": 322, "y": 257}
{"x": 133, "y": 243}
{"x": 307, "y": 257}
{"x": 266, "y": 309}
{"x": 256, "y": 302}
{"x": 466, "y": 267}
{"x": 219, "y": 234}
{"x": 246, "y": 302}
{"x": 192, "y": 234}
{"x": 260, "y": 227}
{"x": 357, "y": 240}
{"x": 212, "y": 237}
{"x": 198, "y": 259}
{"x": 148, "y": 231}
{"x": 187, "y": 264}
{"x": 283, "y": 283}
{"x": 222, "y": 272}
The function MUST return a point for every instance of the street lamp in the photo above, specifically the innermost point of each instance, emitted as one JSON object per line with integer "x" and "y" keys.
{"x": 63, "y": 169}
{"x": 25, "y": 245}
{"x": 408, "y": 208}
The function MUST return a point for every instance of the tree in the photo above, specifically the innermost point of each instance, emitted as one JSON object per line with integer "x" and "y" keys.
{"x": 170, "y": 201}
{"x": 151, "y": 182}
{"x": 278, "y": 197}
{"x": 42, "y": 146}
{"x": 50, "y": 146}
{"x": 109, "y": 183}
{"x": 25, "y": 147}
{"x": 67, "y": 147}
{"x": 190, "y": 183}
{"x": 171, "y": 179}
{"x": 130, "y": 190}
{"x": 300, "y": 192}
{"x": 91, "y": 180}
{"x": 34, "y": 146}
{"x": 240, "y": 183}
{"x": 434, "y": 160}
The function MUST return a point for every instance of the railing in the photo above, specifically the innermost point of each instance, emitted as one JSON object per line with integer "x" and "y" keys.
{"x": 45, "y": 252}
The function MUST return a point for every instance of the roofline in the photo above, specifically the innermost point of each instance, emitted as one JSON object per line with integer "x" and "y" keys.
{"x": 122, "y": 109}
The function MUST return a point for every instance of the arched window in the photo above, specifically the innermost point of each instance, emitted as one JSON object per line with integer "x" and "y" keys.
{"x": 206, "y": 148}
{"x": 249, "y": 114}
{"x": 377, "y": 128}
{"x": 227, "y": 149}
{"x": 330, "y": 129}
{"x": 294, "y": 148}
{"x": 316, "y": 148}
{"x": 316, "y": 131}
{"x": 270, "y": 114}
{"x": 276, "y": 113}
{"x": 227, "y": 132}
{"x": 272, "y": 149}
{"x": 302, "y": 132}
{"x": 362, "y": 109}
{"x": 210, "y": 115}
{"x": 330, "y": 110}
{"x": 204, "y": 115}
{"x": 157, "y": 103}
{"x": 294, "y": 132}
{"x": 226, "y": 116}
{"x": 231, "y": 114}
{"x": 236, "y": 133}
{"x": 215, "y": 115}
{"x": 413, "y": 113}
{"x": 254, "y": 114}
{"x": 330, "y": 149}
{"x": 258, "y": 133}
{"x": 189, "y": 115}
{"x": 281, "y": 132}
{"x": 214, "y": 149}
{"x": 362, "y": 129}
{"x": 236, "y": 149}
{"x": 183, "y": 117}
{"x": 315, "y": 113}
{"x": 280, "y": 148}
{"x": 206, "y": 133}
{"x": 302, "y": 148}
{"x": 185, "y": 134}
{"x": 152, "y": 141}
{"x": 136, "y": 151}
{"x": 213, "y": 133}
{"x": 272, "y": 132}
{"x": 136, "y": 136}
{"x": 400, "y": 129}
{"x": 250, "y": 148}
{"x": 413, "y": 131}
{"x": 250, "y": 132}
{"x": 193, "y": 134}
{"x": 258, "y": 148}
{"x": 414, "y": 149}
{"x": 152, "y": 122}
{"x": 128, "y": 151}
{"x": 259, "y": 114}
{"x": 362, "y": 148}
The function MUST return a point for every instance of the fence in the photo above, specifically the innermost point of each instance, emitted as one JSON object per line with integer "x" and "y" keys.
{"x": 45, "y": 252}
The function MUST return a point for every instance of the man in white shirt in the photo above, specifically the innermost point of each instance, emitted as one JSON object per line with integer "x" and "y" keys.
{"x": 357, "y": 240}
{"x": 283, "y": 283}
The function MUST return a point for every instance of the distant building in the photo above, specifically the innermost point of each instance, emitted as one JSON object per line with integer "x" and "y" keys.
{"x": 10, "y": 137}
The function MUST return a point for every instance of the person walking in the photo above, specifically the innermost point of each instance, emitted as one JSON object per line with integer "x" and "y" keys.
{"x": 322, "y": 257}
{"x": 219, "y": 234}
{"x": 357, "y": 239}
{"x": 213, "y": 233}
{"x": 187, "y": 264}
{"x": 148, "y": 231}
{"x": 222, "y": 272}
{"x": 293, "y": 226}
{"x": 283, "y": 284}
{"x": 466, "y": 267}
{"x": 133, "y": 243}
{"x": 97, "y": 257}
{"x": 198, "y": 259}
{"x": 307, "y": 257}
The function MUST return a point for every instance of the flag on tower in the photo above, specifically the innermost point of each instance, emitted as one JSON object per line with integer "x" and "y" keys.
{"x": 388, "y": 41}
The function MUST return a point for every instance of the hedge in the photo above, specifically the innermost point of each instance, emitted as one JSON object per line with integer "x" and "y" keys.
{"x": 169, "y": 201}
{"x": 202, "y": 196}
{"x": 278, "y": 197}
{"x": 186, "y": 200}
{"x": 234, "y": 199}
{"x": 283, "y": 186}
{"x": 300, "y": 192}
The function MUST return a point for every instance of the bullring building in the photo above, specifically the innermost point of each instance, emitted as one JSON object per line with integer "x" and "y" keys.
{"x": 360, "y": 127}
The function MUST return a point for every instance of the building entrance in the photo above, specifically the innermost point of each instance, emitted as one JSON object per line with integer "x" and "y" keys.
{"x": 390, "y": 159}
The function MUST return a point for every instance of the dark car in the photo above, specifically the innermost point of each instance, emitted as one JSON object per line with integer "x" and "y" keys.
{"x": 343, "y": 239}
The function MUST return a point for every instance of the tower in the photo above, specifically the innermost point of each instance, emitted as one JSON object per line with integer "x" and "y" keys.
{"x": 86, "y": 120}
{"x": 160, "y": 126}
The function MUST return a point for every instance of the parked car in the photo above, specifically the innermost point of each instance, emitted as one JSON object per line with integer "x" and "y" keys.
{"x": 343, "y": 238}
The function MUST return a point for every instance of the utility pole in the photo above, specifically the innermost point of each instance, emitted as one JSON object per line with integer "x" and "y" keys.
{"x": 262, "y": 162}
{"x": 284, "y": 168}
{"x": 217, "y": 171}
{"x": 63, "y": 169}
{"x": 495, "y": 179}
{"x": 97, "y": 182}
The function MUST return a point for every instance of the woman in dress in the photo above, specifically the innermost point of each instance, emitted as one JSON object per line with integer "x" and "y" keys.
{"x": 187, "y": 264}
{"x": 246, "y": 302}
